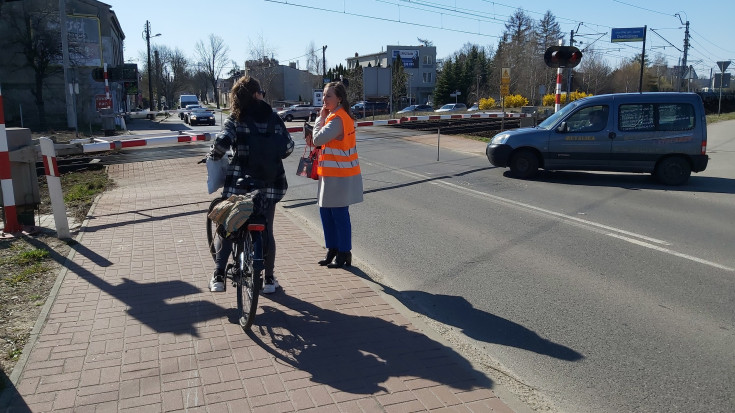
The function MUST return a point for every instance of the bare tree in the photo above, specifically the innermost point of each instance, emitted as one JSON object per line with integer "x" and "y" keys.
{"x": 595, "y": 72}
{"x": 212, "y": 59}
{"x": 262, "y": 64}
{"x": 38, "y": 42}
{"x": 313, "y": 60}
{"x": 173, "y": 76}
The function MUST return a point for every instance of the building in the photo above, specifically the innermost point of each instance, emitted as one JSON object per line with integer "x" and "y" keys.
{"x": 94, "y": 37}
{"x": 419, "y": 62}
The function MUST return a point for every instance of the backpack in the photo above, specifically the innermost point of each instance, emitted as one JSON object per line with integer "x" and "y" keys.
{"x": 265, "y": 151}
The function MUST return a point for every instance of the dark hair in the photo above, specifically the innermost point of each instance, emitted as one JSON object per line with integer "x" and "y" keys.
{"x": 341, "y": 91}
{"x": 241, "y": 96}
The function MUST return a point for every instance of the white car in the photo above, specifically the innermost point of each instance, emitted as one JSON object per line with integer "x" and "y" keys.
{"x": 452, "y": 107}
{"x": 141, "y": 114}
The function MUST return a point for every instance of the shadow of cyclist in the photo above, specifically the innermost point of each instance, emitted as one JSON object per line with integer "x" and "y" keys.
{"x": 357, "y": 353}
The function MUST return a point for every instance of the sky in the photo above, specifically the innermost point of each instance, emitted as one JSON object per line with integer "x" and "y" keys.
{"x": 289, "y": 27}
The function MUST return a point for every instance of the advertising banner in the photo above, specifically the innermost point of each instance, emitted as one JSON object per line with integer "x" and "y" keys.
{"x": 409, "y": 58}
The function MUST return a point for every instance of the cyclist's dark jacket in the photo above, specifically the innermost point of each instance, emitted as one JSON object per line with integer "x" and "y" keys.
{"x": 227, "y": 139}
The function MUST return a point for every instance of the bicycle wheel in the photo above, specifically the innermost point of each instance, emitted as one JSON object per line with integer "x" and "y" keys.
{"x": 212, "y": 228}
{"x": 249, "y": 281}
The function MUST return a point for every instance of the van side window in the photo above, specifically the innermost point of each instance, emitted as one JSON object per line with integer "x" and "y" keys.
{"x": 655, "y": 116}
{"x": 636, "y": 117}
{"x": 675, "y": 116}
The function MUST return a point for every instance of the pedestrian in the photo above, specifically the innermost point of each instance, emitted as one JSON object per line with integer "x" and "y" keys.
{"x": 340, "y": 180}
{"x": 252, "y": 118}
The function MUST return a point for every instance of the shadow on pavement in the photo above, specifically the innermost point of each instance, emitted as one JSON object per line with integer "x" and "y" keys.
{"x": 354, "y": 353}
{"x": 10, "y": 400}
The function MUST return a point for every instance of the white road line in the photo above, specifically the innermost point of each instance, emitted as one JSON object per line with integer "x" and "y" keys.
{"x": 631, "y": 237}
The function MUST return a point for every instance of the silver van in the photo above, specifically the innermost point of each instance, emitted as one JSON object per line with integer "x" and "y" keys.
{"x": 664, "y": 134}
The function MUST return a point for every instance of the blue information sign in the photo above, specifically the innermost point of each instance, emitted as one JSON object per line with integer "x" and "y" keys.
{"x": 630, "y": 34}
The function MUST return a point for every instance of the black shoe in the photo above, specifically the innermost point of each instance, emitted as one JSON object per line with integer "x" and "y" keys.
{"x": 331, "y": 253}
{"x": 343, "y": 259}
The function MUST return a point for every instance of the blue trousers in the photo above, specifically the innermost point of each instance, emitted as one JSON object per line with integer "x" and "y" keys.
{"x": 337, "y": 228}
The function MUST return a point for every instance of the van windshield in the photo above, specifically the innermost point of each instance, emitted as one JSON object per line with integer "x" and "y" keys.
{"x": 549, "y": 122}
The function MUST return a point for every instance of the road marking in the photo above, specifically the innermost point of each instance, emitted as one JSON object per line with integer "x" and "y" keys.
{"x": 631, "y": 237}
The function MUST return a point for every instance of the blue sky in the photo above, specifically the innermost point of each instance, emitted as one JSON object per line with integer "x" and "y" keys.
{"x": 346, "y": 27}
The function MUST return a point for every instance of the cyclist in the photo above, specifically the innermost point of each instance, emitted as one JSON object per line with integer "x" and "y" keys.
{"x": 252, "y": 128}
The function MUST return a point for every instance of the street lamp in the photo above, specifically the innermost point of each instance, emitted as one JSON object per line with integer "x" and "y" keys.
{"x": 147, "y": 33}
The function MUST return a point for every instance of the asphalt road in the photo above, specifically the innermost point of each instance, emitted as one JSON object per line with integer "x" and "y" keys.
{"x": 589, "y": 291}
{"x": 582, "y": 292}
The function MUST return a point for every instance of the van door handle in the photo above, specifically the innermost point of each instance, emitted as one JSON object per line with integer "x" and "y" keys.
{"x": 611, "y": 135}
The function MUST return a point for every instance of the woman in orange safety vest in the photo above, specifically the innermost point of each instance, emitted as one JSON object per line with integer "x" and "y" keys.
{"x": 340, "y": 181}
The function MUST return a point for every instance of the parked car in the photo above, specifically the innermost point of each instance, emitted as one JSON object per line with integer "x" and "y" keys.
{"x": 664, "y": 134}
{"x": 415, "y": 108}
{"x": 473, "y": 108}
{"x": 198, "y": 116}
{"x": 452, "y": 107}
{"x": 299, "y": 112}
{"x": 141, "y": 114}
{"x": 364, "y": 109}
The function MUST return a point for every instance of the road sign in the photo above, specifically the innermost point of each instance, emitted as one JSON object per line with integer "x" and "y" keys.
{"x": 504, "y": 90}
{"x": 630, "y": 34}
{"x": 505, "y": 74}
{"x": 723, "y": 65}
{"x": 101, "y": 102}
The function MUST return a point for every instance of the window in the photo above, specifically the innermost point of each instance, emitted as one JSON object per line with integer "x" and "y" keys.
{"x": 656, "y": 116}
{"x": 427, "y": 60}
{"x": 427, "y": 77}
{"x": 589, "y": 119}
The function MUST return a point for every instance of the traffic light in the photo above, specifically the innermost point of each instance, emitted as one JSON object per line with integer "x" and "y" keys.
{"x": 562, "y": 56}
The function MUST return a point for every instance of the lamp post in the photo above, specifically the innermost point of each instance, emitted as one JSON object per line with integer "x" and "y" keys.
{"x": 147, "y": 33}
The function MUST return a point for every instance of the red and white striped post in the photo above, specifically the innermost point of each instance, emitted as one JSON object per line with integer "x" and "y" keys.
{"x": 557, "y": 102}
{"x": 6, "y": 180}
{"x": 54, "y": 188}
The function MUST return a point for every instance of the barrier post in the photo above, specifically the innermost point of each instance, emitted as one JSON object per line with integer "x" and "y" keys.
{"x": 6, "y": 180}
{"x": 54, "y": 188}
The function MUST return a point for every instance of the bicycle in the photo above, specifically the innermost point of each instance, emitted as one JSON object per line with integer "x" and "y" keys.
{"x": 245, "y": 270}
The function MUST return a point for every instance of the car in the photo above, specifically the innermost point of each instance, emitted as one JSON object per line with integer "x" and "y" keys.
{"x": 415, "y": 108}
{"x": 473, "y": 108}
{"x": 365, "y": 109}
{"x": 452, "y": 107}
{"x": 141, "y": 114}
{"x": 664, "y": 134}
{"x": 183, "y": 113}
{"x": 299, "y": 112}
{"x": 198, "y": 116}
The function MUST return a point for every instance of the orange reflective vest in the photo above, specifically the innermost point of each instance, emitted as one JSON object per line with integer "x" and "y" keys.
{"x": 339, "y": 157}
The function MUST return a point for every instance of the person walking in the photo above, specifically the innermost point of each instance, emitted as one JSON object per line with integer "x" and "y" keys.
{"x": 340, "y": 180}
{"x": 252, "y": 127}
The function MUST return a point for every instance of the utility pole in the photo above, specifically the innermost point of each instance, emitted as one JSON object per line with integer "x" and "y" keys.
{"x": 569, "y": 73}
{"x": 158, "y": 79}
{"x": 686, "y": 48}
{"x": 147, "y": 35}
{"x": 324, "y": 63}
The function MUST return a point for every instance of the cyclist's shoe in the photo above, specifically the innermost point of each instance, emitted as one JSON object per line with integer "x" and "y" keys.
{"x": 217, "y": 283}
{"x": 270, "y": 285}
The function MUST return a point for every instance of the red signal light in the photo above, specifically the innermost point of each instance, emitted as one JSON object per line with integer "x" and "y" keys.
{"x": 562, "y": 56}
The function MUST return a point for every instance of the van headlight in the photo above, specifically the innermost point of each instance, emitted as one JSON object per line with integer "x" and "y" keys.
{"x": 500, "y": 138}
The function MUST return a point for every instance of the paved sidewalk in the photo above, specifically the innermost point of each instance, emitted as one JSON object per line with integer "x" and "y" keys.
{"x": 134, "y": 326}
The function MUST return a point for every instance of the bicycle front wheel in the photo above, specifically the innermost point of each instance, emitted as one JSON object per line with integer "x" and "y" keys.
{"x": 212, "y": 228}
{"x": 249, "y": 282}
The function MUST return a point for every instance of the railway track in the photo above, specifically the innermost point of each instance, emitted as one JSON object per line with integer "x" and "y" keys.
{"x": 485, "y": 126}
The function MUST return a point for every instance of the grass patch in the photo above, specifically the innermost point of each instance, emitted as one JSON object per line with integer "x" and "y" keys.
{"x": 720, "y": 118}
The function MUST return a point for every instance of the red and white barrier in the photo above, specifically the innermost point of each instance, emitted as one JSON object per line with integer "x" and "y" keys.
{"x": 54, "y": 188}
{"x": 6, "y": 180}
{"x": 557, "y": 103}
{"x": 427, "y": 117}
{"x": 141, "y": 141}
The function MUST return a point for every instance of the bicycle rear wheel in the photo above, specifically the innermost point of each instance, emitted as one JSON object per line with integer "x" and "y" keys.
{"x": 249, "y": 282}
{"x": 212, "y": 228}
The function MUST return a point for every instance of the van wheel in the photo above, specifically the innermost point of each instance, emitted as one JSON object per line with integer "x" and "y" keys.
{"x": 674, "y": 170}
{"x": 524, "y": 164}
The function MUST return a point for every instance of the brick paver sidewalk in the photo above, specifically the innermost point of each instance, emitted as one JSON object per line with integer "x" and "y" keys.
{"x": 134, "y": 326}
